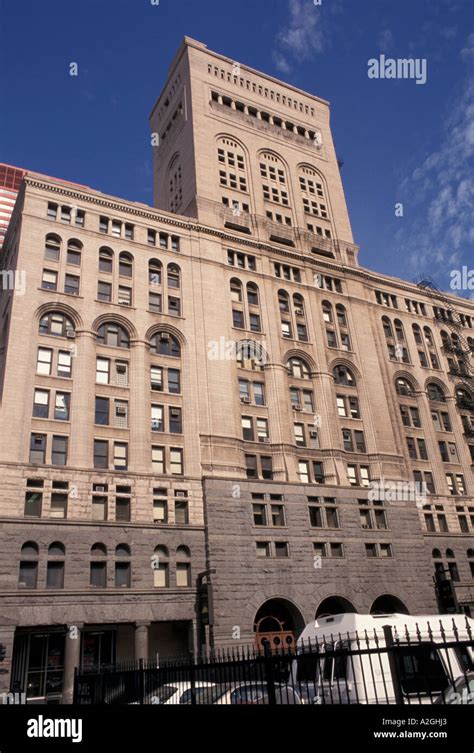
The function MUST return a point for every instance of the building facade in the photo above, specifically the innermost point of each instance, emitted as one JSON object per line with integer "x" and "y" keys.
{"x": 208, "y": 404}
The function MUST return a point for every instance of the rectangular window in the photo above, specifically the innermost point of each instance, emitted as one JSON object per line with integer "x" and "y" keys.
{"x": 281, "y": 549}
{"x": 183, "y": 574}
{"x": 58, "y": 505}
{"x": 122, "y": 575}
{"x": 61, "y": 406}
{"x": 303, "y": 471}
{"x": 102, "y": 411}
{"x": 122, "y": 509}
{"x": 237, "y": 319}
{"x": 175, "y": 422}
{"x": 181, "y": 512}
{"x": 251, "y": 466}
{"x": 38, "y": 448}
{"x": 101, "y": 453}
{"x": 247, "y": 428}
{"x": 154, "y": 302}
{"x": 267, "y": 467}
{"x": 44, "y": 361}
{"x": 156, "y": 378}
{"x": 157, "y": 420}
{"x": 98, "y": 574}
{"x": 259, "y": 393}
{"x": 174, "y": 381}
{"x": 174, "y": 306}
{"x": 99, "y": 507}
{"x": 262, "y": 429}
{"x": 59, "y": 450}
{"x": 55, "y": 575}
{"x": 259, "y": 514}
{"x": 41, "y": 404}
{"x": 318, "y": 471}
{"x": 28, "y": 576}
{"x": 124, "y": 296}
{"x": 71, "y": 284}
{"x": 64, "y": 363}
{"x": 316, "y": 517}
{"x": 263, "y": 548}
{"x": 120, "y": 456}
{"x": 278, "y": 515}
{"x": 158, "y": 460}
{"x": 176, "y": 461}
{"x": 102, "y": 374}
{"x": 33, "y": 504}
{"x": 255, "y": 325}
{"x": 160, "y": 506}
{"x": 104, "y": 291}
{"x": 49, "y": 280}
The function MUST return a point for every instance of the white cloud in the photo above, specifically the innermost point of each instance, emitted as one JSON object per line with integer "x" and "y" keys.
{"x": 467, "y": 53}
{"x": 303, "y": 37}
{"x": 440, "y": 192}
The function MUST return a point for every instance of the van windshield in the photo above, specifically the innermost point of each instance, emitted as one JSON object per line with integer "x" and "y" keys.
{"x": 335, "y": 665}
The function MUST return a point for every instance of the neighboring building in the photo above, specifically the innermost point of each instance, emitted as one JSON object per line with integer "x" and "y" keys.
{"x": 144, "y": 457}
{"x": 10, "y": 180}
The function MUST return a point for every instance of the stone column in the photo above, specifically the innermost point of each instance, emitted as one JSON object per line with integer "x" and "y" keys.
{"x": 82, "y": 408}
{"x": 141, "y": 639}
{"x": 72, "y": 657}
{"x": 140, "y": 441}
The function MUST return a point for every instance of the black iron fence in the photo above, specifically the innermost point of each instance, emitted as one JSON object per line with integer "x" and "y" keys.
{"x": 368, "y": 668}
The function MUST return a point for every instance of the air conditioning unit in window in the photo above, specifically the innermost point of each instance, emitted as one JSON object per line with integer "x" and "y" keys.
{"x": 265, "y": 440}
{"x": 299, "y": 312}
{"x": 313, "y": 434}
{"x": 71, "y": 334}
{"x": 365, "y": 527}
{"x": 297, "y": 407}
{"x": 155, "y": 424}
{"x": 164, "y": 337}
{"x": 121, "y": 410}
{"x": 99, "y": 488}
{"x": 121, "y": 368}
{"x": 245, "y": 400}
{"x": 180, "y": 493}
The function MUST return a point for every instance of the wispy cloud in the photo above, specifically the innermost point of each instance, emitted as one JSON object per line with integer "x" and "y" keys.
{"x": 385, "y": 40}
{"x": 440, "y": 193}
{"x": 303, "y": 36}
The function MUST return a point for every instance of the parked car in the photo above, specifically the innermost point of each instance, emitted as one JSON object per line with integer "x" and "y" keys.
{"x": 329, "y": 669}
{"x": 460, "y": 692}
{"x": 181, "y": 692}
{"x": 255, "y": 693}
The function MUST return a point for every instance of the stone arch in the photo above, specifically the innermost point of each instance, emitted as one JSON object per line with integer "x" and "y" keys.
{"x": 335, "y": 605}
{"x": 116, "y": 319}
{"x": 277, "y": 623}
{"x": 388, "y": 604}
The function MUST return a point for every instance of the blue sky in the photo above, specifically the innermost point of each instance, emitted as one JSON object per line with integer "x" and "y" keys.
{"x": 400, "y": 141}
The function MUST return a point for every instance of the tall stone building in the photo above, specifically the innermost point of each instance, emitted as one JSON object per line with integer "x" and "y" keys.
{"x": 207, "y": 404}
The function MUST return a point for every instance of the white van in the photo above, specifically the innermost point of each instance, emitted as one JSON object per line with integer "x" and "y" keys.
{"x": 343, "y": 658}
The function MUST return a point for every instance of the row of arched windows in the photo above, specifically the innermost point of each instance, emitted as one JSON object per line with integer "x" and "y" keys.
{"x": 55, "y": 566}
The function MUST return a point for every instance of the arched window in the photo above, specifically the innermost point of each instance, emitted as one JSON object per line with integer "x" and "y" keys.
{"x": 28, "y": 572}
{"x": 165, "y": 344}
{"x": 55, "y": 565}
{"x": 284, "y": 301}
{"x": 74, "y": 252}
{"x": 449, "y": 554}
{"x": 343, "y": 376}
{"x": 387, "y": 327}
{"x": 52, "y": 247}
{"x": 428, "y": 337}
{"x": 341, "y": 315}
{"x": 154, "y": 272}
{"x": 275, "y": 188}
{"x": 312, "y": 194}
{"x": 106, "y": 259}
{"x": 174, "y": 276}
{"x": 236, "y": 290}
{"x": 98, "y": 566}
{"x": 125, "y": 264}
{"x": 183, "y": 566}
{"x": 446, "y": 340}
{"x": 464, "y": 398}
{"x": 436, "y": 553}
{"x": 160, "y": 562}
{"x": 56, "y": 324}
{"x": 343, "y": 326}
{"x": 435, "y": 392}
{"x": 298, "y": 368}
{"x": 399, "y": 331}
{"x": 327, "y": 312}
{"x": 404, "y": 387}
{"x": 470, "y": 342}
{"x": 298, "y": 304}
{"x": 113, "y": 335}
{"x": 98, "y": 550}
{"x": 123, "y": 570}
{"x": 232, "y": 168}
{"x": 252, "y": 294}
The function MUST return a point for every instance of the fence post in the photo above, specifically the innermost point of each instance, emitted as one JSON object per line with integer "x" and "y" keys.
{"x": 75, "y": 688}
{"x": 269, "y": 674}
{"x": 393, "y": 664}
{"x": 192, "y": 679}
{"x": 141, "y": 681}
